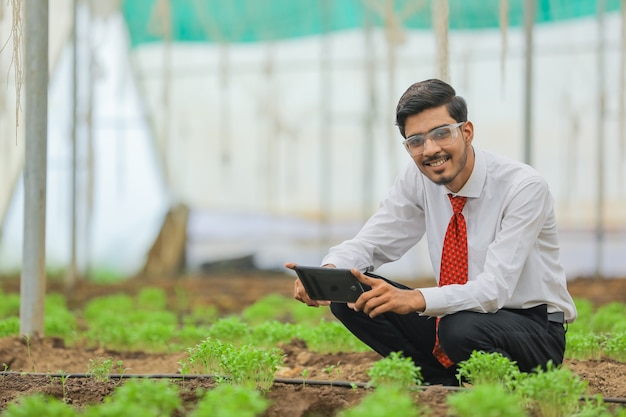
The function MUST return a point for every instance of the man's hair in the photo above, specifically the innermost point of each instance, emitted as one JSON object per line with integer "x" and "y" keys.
{"x": 426, "y": 95}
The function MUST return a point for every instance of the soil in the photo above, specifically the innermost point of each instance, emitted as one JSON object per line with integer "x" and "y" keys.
{"x": 290, "y": 396}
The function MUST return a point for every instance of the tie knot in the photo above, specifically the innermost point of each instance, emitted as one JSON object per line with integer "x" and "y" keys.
{"x": 458, "y": 203}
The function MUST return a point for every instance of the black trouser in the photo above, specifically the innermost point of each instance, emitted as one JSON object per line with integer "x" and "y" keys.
{"x": 524, "y": 336}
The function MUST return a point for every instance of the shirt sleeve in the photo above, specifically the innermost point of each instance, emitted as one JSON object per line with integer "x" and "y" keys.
{"x": 397, "y": 225}
{"x": 523, "y": 215}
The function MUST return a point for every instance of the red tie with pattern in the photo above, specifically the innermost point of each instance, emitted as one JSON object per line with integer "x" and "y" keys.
{"x": 453, "y": 262}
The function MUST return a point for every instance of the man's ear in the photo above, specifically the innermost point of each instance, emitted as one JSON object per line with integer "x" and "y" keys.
{"x": 468, "y": 132}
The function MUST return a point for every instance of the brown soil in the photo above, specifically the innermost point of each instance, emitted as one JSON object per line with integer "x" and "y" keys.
{"x": 232, "y": 293}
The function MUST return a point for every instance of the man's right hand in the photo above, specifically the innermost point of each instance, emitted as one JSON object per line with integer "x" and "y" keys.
{"x": 300, "y": 294}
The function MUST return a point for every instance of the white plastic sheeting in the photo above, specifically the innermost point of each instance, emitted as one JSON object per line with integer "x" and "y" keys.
{"x": 129, "y": 195}
{"x": 268, "y": 145}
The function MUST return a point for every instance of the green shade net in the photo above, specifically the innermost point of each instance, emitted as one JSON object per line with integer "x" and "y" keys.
{"x": 265, "y": 20}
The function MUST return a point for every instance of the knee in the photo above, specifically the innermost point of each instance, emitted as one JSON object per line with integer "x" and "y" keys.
{"x": 340, "y": 310}
{"x": 459, "y": 336}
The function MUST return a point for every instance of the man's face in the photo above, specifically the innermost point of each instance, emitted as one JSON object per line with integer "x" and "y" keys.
{"x": 449, "y": 165}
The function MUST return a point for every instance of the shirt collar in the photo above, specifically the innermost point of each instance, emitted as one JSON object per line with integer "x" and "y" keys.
{"x": 474, "y": 185}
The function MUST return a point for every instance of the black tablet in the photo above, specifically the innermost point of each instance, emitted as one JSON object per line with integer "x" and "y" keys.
{"x": 329, "y": 284}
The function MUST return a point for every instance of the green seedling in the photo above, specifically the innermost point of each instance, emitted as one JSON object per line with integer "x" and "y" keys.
{"x": 305, "y": 374}
{"x": 132, "y": 330}
{"x": 230, "y": 401}
{"x": 488, "y": 368}
{"x": 271, "y": 333}
{"x": 584, "y": 346}
{"x": 554, "y": 392}
{"x": 609, "y": 318}
{"x": 330, "y": 337}
{"x": 252, "y": 367}
{"x": 385, "y": 401}
{"x": 485, "y": 400}
{"x": 120, "y": 367}
{"x": 39, "y": 405}
{"x": 246, "y": 365}
{"x": 152, "y": 299}
{"x": 595, "y": 407}
{"x": 302, "y": 313}
{"x": 59, "y": 321}
{"x": 100, "y": 369}
{"x": 205, "y": 357}
{"x": 189, "y": 335}
{"x": 30, "y": 354}
{"x": 10, "y": 306}
{"x": 63, "y": 378}
{"x": 268, "y": 308}
{"x": 395, "y": 370}
{"x": 231, "y": 329}
{"x": 139, "y": 397}
{"x": 10, "y": 326}
{"x": 332, "y": 369}
{"x": 615, "y": 347}
{"x": 201, "y": 315}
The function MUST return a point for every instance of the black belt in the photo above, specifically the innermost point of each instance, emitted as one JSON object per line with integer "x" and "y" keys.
{"x": 557, "y": 317}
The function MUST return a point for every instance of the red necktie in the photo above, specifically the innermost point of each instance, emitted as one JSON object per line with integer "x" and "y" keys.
{"x": 453, "y": 262}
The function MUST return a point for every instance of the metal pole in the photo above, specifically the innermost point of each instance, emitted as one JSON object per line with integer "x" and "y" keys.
{"x": 622, "y": 103}
{"x": 440, "y": 17}
{"x": 325, "y": 132}
{"x": 601, "y": 139}
{"x": 370, "y": 117}
{"x": 33, "y": 280}
{"x": 529, "y": 21}
{"x": 394, "y": 34}
{"x": 70, "y": 279}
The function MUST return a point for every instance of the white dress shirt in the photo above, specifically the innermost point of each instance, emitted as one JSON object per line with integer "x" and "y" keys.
{"x": 513, "y": 245}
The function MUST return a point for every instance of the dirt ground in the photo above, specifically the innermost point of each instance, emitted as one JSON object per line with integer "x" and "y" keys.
{"x": 290, "y": 397}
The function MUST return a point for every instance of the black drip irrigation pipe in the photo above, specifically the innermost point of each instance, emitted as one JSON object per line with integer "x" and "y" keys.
{"x": 293, "y": 381}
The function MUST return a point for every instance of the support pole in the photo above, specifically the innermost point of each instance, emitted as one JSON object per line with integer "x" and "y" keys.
{"x": 33, "y": 280}
{"x": 325, "y": 131}
{"x": 71, "y": 277}
{"x": 529, "y": 21}
{"x": 370, "y": 117}
{"x": 600, "y": 141}
{"x": 441, "y": 17}
{"x": 622, "y": 102}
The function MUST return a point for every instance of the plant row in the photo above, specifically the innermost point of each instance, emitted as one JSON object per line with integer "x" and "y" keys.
{"x": 146, "y": 322}
{"x": 498, "y": 389}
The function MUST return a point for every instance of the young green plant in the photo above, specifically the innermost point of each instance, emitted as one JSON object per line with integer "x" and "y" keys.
{"x": 100, "y": 369}
{"x": 385, "y": 401}
{"x": 485, "y": 400}
{"x": 488, "y": 368}
{"x": 395, "y": 370}
{"x": 231, "y": 401}
{"x": 553, "y": 392}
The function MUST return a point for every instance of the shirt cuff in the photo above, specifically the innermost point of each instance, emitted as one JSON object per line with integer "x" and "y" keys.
{"x": 435, "y": 301}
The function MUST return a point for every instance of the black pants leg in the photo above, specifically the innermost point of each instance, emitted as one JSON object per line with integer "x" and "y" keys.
{"x": 528, "y": 339}
{"x": 411, "y": 334}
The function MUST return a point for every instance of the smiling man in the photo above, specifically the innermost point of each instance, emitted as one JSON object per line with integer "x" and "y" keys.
{"x": 493, "y": 243}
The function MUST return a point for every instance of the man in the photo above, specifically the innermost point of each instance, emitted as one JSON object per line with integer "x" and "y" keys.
{"x": 501, "y": 287}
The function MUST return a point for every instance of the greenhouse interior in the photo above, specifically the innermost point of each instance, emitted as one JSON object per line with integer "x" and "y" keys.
{"x": 197, "y": 146}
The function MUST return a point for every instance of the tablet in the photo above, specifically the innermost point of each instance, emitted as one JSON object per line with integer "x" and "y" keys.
{"x": 329, "y": 284}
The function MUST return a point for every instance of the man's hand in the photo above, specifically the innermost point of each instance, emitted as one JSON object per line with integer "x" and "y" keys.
{"x": 384, "y": 297}
{"x": 300, "y": 294}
